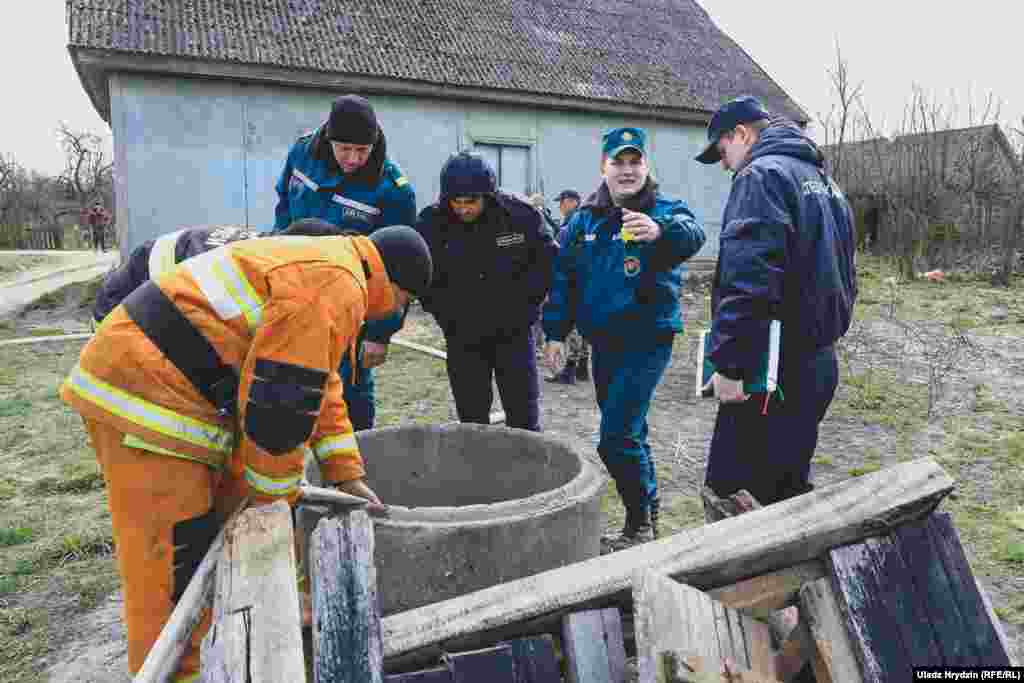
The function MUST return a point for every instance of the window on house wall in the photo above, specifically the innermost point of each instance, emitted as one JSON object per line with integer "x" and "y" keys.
{"x": 511, "y": 163}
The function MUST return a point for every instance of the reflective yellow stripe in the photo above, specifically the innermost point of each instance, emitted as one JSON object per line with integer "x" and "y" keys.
{"x": 272, "y": 486}
{"x": 133, "y": 441}
{"x": 226, "y": 287}
{"x": 149, "y": 415}
{"x": 161, "y": 256}
{"x": 190, "y": 678}
{"x": 335, "y": 445}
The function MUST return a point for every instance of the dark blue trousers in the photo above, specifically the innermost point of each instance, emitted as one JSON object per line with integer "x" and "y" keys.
{"x": 508, "y": 359}
{"x": 770, "y": 454}
{"x": 625, "y": 380}
{"x": 358, "y": 397}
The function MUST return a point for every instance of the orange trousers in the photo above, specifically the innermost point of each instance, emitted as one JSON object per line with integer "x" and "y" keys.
{"x": 165, "y": 512}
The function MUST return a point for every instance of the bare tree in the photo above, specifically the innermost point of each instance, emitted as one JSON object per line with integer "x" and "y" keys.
{"x": 838, "y": 130}
{"x": 87, "y": 171}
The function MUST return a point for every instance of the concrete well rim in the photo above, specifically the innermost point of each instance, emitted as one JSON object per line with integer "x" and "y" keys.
{"x": 588, "y": 483}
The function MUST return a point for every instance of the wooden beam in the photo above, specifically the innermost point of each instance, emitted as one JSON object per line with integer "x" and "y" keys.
{"x": 834, "y": 660}
{"x": 593, "y": 647}
{"x": 772, "y": 538}
{"x": 163, "y": 658}
{"x": 761, "y": 595}
{"x": 49, "y": 338}
{"x": 346, "y": 610}
{"x": 256, "y": 635}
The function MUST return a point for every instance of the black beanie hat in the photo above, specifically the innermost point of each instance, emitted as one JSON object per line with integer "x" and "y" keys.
{"x": 406, "y": 257}
{"x": 352, "y": 120}
{"x": 466, "y": 174}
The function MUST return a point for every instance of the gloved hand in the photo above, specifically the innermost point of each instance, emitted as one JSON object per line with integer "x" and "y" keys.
{"x": 358, "y": 487}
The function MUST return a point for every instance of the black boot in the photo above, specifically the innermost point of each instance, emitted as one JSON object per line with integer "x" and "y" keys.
{"x": 583, "y": 370}
{"x": 566, "y": 376}
{"x": 637, "y": 528}
{"x": 655, "y": 508}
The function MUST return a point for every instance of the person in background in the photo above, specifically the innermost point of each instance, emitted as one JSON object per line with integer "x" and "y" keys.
{"x": 617, "y": 280}
{"x": 787, "y": 253}
{"x": 492, "y": 258}
{"x": 341, "y": 173}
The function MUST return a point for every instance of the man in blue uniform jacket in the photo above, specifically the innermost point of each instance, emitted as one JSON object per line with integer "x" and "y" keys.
{"x": 340, "y": 173}
{"x": 787, "y": 253}
{"x": 492, "y": 268}
{"x": 617, "y": 280}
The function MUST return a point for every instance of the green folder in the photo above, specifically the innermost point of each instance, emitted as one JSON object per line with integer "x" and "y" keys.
{"x": 765, "y": 381}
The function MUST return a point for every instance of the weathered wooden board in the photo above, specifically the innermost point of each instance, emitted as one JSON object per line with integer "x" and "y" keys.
{"x": 761, "y": 595}
{"x": 346, "y": 622}
{"x": 679, "y": 667}
{"x": 490, "y": 665}
{"x": 983, "y": 628}
{"x": 772, "y": 538}
{"x": 672, "y": 617}
{"x": 910, "y": 599}
{"x": 256, "y": 635}
{"x": 442, "y": 675}
{"x": 593, "y": 646}
{"x": 536, "y": 661}
{"x": 835, "y": 661}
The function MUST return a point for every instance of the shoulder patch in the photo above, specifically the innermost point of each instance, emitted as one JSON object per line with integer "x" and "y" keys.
{"x": 394, "y": 172}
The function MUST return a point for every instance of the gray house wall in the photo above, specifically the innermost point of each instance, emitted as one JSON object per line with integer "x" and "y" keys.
{"x": 193, "y": 152}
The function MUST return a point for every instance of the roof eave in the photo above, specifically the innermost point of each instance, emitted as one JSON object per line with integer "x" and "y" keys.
{"x": 95, "y": 65}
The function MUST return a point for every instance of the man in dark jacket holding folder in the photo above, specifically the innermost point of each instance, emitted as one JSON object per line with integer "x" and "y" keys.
{"x": 786, "y": 253}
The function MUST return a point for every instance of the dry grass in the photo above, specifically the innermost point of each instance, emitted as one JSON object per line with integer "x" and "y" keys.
{"x": 13, "y": 266}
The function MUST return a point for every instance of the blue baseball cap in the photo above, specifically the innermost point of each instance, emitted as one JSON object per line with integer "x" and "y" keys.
{"x": 620, "y": 139}
{"x": 744, "y": 109}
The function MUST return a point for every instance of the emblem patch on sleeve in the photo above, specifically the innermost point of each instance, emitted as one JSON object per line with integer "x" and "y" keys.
{"x": 632, "y": 266}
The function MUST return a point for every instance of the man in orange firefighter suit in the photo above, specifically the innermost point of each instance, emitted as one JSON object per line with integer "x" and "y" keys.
{"x": 233, "y": 354}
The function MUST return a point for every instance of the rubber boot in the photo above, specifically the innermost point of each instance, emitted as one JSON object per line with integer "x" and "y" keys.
{"x": 637, "y": 528}
{"x": 583, "y": 370}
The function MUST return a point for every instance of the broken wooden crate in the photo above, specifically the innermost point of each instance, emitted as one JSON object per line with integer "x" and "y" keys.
{"x": 858, "y": 559}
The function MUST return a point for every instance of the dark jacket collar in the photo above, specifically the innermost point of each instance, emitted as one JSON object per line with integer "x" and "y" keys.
{"x": 370, "y": 174}
{"x": 784, "y": 138}
{"x": 644, "y": 200}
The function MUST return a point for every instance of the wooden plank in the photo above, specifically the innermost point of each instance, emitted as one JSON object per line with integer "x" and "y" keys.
{"x": 772, "y": 538}
{"x": 835, "y": 661}
{"x": 983, "y": 629}
{"x": 425, "y": 676}
{"x": 670, "y": 616}
{"x": 759, "y": 647}
{"x": 490, "y": 665}
{"x": 256, "y": 635}
{"x": 679, "y": 667}
{"x": 729, "y": 649}
{"x": 346, "y": 625}
{"x": 163, "y": 658}
{"x": 936, "y": 594}
{"x": 536, "y": 661}
{"x": 761, "y": 595}
{"x": 593, "y": 647}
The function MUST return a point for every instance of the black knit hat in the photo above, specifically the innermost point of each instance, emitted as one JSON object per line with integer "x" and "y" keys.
{"x": 467, "y": 174}
{"x": 352, "y": 120}
{"x": 314, "y": 227}
{"x": 406, "y": 257}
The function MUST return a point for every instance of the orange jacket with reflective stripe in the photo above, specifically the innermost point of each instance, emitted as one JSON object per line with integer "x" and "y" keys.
{"x": 295, "y": 301}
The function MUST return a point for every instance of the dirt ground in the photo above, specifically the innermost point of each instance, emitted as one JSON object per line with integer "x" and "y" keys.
{"x": 869, "y": 426}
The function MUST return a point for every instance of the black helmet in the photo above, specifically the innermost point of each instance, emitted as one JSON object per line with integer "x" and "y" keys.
{"x": 465, "y": 174}
{"x": 406, "y": 257}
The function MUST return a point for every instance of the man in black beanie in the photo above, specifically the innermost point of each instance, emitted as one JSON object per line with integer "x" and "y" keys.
{"x": 340, "y": 173}
{"x": 493, "y": 263}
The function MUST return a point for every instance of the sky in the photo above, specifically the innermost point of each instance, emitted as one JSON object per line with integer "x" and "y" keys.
{"x": 955, "y": 52}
